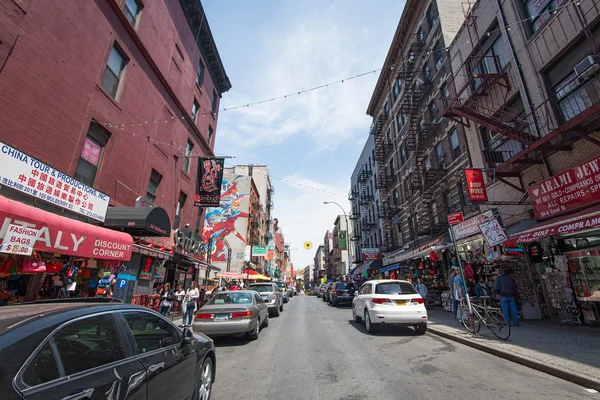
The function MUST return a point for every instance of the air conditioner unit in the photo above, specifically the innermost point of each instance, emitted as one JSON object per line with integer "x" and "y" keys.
{"x": 586, "y": 67}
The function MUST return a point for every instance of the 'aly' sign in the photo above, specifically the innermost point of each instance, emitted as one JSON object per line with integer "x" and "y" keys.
{"x": 570, "y": 190}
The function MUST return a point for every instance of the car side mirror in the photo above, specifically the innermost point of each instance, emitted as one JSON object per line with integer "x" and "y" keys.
{"x": 187, "y": 336}
{"x": 356, "y": 292}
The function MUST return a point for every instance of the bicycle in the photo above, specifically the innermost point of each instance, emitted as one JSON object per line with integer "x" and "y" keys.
{"x": 492, "y": 318}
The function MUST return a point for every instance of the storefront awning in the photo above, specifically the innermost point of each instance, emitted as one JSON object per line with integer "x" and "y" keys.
{"x": 231, "y": 275}
{"x": 586, "y": 219}
{"x": 139, "y": 221}
{"x": 65, "y": 236}
{"x": 361, "y": 267}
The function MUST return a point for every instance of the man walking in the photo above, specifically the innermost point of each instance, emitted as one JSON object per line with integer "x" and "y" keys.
{"x": 460, "y": 291}
{"x": 451, "y": 286}
{"x": 507, "y": 289}
{"x": 422, "y": 289}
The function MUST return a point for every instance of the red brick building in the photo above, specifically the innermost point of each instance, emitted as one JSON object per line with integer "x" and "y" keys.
{"x": 113, "y": 93}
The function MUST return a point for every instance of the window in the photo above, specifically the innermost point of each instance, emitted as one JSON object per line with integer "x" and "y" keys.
{"x": 210, "y": 134}
{"x": 445, "y": 94}
{"x": 454, "y": 144}
{"x": 89, "y": 343}
{"x": 214, "y": 102}
{"x": 42, "y": 369}
{"x": 449, "y": 202}
{"x": 397, "y": 87}
{"x": 434, "y": 211}
{"x": 438, "y": 55}
{"x": 421, "y": 35}
{"x": 151, "y": 332}
{"x": 433, "y": 111}
{"x": 426, "y": 72}
{"x": 155, "y": 179}
{"x": 179, "y": 210}
{"x": 395, "y": 196}
{"x": 113, "y": 74}
{"x": 540, "y": 11}
{"x": 400, "y": 121}
{"x": 189, "y": 147}
{"x": 439, "y": 151}
{"x": 89, "y": 160}
{"x": 499, "y": 50}
{"x": 132, "y": 11}
{"x": 461, "y": 195}
{"x": 386, "y": 110}
{"x": 395, "y": 288}
{"x": 200, "y": 73}
{"x": 403, "y": 154}
{"x": 431, "y": 16}
{"x": 195, "y": 109}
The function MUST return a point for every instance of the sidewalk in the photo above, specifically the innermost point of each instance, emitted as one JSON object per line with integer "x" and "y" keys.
{"x": 571, "y": 353}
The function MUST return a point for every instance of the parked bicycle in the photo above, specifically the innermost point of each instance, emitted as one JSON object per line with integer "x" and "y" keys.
{"x": 487, "y": 315}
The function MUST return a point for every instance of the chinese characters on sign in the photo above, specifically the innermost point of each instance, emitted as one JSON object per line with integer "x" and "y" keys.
{"x": 370, "y": 253}
{"x": 574, "y": 188}
{"x": 493, "y": 232}
{"x": 30, "y": 176}
{"x": 475, "y": 185}
{"x": 208, "y": 186}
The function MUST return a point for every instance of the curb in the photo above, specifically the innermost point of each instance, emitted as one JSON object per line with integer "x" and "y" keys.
{"x": 578, "y": 379}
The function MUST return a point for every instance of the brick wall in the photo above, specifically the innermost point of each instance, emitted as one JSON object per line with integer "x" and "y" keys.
{"x": 50, "y": 87}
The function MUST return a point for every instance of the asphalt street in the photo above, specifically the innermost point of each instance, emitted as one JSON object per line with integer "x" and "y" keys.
{"x": 314, "y": 351}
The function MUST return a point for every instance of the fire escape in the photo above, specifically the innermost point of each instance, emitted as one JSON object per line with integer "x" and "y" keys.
{"x": 479, "y": 92}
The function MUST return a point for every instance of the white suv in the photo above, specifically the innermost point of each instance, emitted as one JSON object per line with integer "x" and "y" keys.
{"x": 389, "y": 302}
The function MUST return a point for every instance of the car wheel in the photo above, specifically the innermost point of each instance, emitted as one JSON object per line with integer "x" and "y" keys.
{"x": 255, "y": 332}
{"x": 421, "y": 328}
{"x": 354, "y": 316}
{"x": 266, "y": 323}
{"x": 276, "y": 312}
{"x": 333, "y": 303}
{"x": 205, "y": 380}
{"x": 281, "y": 307}
{"x": 368, "y": 324}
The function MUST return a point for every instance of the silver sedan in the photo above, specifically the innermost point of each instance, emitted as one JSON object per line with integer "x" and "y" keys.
{"x": 234, "y": 312}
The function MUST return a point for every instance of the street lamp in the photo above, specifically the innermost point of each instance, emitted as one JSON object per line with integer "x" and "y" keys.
{"x": 347, "y": 229}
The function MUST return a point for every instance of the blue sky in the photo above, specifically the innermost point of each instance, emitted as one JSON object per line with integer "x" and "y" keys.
{"x": 274, "y": 47}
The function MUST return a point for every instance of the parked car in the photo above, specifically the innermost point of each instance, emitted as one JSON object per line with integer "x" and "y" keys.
{"x": 90, "y": 349}
{"x": 321, "y": 290}
{"x": 328, "y": 288}
{"x": 342, "y": 293}
{"x": 235, "y": 312}
{"x": 389, "y": 302}
{"x": 271, "y": 294}
{"x": 286, "y": 295}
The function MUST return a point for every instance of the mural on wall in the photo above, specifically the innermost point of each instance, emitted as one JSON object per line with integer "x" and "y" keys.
{"x": 220, "y": 223}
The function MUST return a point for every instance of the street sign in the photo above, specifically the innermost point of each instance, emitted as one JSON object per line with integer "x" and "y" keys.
{"x": 455, "y": 218}
{"x": 122, "y": 283}
{"x": 258, "y": 251}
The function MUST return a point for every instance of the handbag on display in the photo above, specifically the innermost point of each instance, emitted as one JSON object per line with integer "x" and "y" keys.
{"x": 33, "y": 266}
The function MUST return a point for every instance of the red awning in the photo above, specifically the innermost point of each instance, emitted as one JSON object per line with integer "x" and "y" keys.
{"x": 64, "y": 235}
{"x": 586, "y": 219}
{"x": 249, "y": 271}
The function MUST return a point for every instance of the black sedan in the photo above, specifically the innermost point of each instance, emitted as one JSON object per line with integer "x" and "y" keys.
{"x": 94, "y": 350}
{"x": 342, "y": 293}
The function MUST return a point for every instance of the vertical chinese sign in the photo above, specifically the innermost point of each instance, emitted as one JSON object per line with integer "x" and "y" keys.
{"x": 475, "y": 185}
{"x": 208, "y": 185}
{"x": 342, "y": 240}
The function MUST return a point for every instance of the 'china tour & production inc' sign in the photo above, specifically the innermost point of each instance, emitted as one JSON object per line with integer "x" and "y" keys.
{"x": 30, "y": 176}
{"x": 208, "y": 185}
{"x": 570, "y": 190}
{"x": 475, "y": 185}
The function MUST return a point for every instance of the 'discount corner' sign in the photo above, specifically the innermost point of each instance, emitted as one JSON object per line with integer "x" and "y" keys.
{"x": 30, "y": 176}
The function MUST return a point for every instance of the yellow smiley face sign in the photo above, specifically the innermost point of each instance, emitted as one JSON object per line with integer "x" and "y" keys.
{"x": 307, "y": 245}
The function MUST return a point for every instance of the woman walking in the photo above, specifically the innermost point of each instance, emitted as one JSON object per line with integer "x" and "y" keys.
{"x": 166, "y": 299}
{"x": 189, "y": 304}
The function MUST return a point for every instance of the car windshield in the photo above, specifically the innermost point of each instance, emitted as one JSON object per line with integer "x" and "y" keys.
{"x": 232, "y": 298}
{"x": 395, "y": 288}
{"x": 280, "y": 284}
{"x": 261, "y": 288}
{"x": 344, "y": 286}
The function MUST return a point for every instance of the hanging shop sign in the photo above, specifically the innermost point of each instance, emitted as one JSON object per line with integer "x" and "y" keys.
{"x": 342, "y": 241}
{"x": 470, "y": 227}
{"x": 455, "y": 218}
{"x": 208, "y": 184}
{"x": 25, "y": 174}
{"x": 573, "y": 189}
{"x": 63, "y": 235}
{"x": 259, "y": 251}
{"x": 514, "y": 250}
{"x": 370, "y": 253}
{"x": 475, "y": 185}
{"x": 19, "y": 240}
{"x": 493, "y": 232}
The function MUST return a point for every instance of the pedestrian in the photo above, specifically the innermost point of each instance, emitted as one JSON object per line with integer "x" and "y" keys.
{"x": 189, "y": 304}
{"x": 241, "y": 285}
{"x": 481, "y": 289}
{"x": 460, "y": 290}
{"x": 233, "y": 286}
{"x": 451, "y": 287}
{"x": 506, "y": 288}
{"x": 167, "y": 297}
{"x": 179, "y": 295}
{"x": 422, "y": 289}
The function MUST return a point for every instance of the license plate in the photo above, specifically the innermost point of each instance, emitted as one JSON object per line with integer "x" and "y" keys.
{"x": 221, "y": 317}
{"x": 400, "y": 302}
